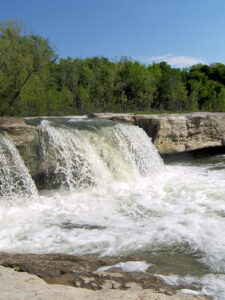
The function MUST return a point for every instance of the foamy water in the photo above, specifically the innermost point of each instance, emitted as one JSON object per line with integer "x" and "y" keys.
{"x": 173, "y": 209}
{"x": 15, "y": 180}
{"x": 212, "y": 285}
{"x": 129, "y": 266}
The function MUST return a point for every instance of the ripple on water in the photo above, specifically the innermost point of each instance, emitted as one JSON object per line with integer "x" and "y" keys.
{"x": 173, "y": 219}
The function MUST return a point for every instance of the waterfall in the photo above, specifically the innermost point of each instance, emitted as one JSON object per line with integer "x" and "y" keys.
{"x": 84, "y": 153}
{"x": 116, "y": 199}
{"x": 78, "y": 154}
{"x": 15, "y": 179}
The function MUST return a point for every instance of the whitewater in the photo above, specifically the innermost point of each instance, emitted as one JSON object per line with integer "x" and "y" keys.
{"x": 112, "y": 195}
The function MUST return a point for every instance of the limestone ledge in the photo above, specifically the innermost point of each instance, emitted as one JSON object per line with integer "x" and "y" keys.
{"x": 176, "y": 133}
{"x": 75, "y": 277}
{"x": 170, "y": 133}
{"x": 24, "y": 286}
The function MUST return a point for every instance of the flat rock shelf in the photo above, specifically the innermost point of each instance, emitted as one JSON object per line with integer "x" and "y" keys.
{"x": 72, "y": 277}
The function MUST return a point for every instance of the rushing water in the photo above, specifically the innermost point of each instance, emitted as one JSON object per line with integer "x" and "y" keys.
{"x": 118, "y": 199}
{"x": 15, "y": 179}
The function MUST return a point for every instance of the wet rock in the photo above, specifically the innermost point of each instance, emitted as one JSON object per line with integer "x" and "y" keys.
{"x": 81, "y": 271}
{"x": 170, "y": 133}
{"x": 21, "y": 285}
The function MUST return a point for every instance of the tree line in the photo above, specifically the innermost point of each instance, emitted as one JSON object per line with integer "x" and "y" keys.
{"x": 33, "y": 81}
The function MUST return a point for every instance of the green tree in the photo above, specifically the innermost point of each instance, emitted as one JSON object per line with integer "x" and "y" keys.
{"x": 22, "y": 56}
{"x": 172, "y": 92}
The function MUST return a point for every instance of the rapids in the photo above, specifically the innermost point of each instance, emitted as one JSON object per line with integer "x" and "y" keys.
{"x": 115, "y": 197}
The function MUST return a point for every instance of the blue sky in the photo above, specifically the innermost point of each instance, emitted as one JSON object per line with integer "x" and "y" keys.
{"x": 181, "y": 32}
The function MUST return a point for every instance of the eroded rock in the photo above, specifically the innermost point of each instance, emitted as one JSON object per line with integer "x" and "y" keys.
{"x": 170, "y": 133}
{"x": 21, "y": 285}
{"x": 174, "y": 133}
{"x": 80, "y": 272}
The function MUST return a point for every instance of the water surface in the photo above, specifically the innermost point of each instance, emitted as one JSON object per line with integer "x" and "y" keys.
{"x": 118, "y": 199}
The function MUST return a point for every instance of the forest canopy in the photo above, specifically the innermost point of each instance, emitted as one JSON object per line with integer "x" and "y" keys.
{"x": 33, "y": 81}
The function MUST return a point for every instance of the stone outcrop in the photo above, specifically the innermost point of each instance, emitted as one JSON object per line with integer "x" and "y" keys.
{"x": 177, "y": 133}
{"x": 78, "y": 279}
{"x": 27, "y": 140}
{"x": 170, "y": 133}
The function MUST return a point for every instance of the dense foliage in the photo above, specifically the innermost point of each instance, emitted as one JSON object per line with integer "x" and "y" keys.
{"x": 34, "y": 82}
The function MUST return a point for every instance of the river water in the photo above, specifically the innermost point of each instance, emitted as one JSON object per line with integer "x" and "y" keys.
{"x": 123, "y": 202}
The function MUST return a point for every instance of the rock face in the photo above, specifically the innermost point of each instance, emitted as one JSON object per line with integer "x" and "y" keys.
{"x": 176, "y": 133}
{"x": 28, "y": 141}
{"x": 171, "y": 134}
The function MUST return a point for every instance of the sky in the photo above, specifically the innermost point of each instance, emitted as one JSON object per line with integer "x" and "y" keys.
{"x": 180, "y": 32}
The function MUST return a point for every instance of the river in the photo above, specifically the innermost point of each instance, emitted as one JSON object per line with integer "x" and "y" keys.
{"x": 114, "y": 196}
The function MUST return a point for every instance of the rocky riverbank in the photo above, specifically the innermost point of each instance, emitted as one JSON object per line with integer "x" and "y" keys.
{"x": 80, "y": 272}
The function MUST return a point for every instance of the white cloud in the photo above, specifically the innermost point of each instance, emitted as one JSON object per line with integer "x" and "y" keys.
{"x": 175, "y": 61}
{"x": 160, "y": 58}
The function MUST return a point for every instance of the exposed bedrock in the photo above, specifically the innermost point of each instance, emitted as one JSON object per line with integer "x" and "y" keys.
{"x": 28, "y": 140}
{"x": 170, "y": 133}
{"x": 82, "y": 278}
{"x": 177, "y": 133}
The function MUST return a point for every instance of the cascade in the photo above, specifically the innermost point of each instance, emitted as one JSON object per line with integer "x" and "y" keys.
{"x": 15, "y": 179}
{"x": 84, "y": 153}
{"x": 116, "y": 199}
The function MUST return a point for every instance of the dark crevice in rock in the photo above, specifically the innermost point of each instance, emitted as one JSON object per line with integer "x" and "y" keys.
{"x": 191, "y": 155}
